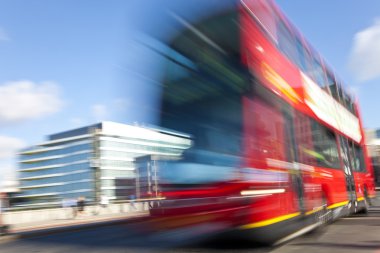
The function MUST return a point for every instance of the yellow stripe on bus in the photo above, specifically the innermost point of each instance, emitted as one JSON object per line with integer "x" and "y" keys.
{"x": 269, "y": 221}
{"x": 360, "y": 199}
{"x": 314, "y": 210}
{"x": 343, "y": 203}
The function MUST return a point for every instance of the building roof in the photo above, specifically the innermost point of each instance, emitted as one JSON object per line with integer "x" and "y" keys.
{"x": 74, "y": 132}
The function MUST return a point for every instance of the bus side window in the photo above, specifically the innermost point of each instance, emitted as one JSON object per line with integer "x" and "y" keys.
{"x": 348, "y": 103}
{"x": 317, "y": 145}
{"x": 355, "y": 164}
{"x": 332, "y": 85}
{"x": 340, "y": 93}
{"x": 287, "y": 43}
{"x": 358, "y": 158}
{"x": 304, "y": 139}
{"x": 318, "y": 73}
{"x": 325, "y": 146}
{"x": 303, "y": 56}
{"x": 264, "y": 127}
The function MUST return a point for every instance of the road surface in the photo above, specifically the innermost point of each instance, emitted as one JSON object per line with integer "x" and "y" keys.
{"x": 353, "y": 234}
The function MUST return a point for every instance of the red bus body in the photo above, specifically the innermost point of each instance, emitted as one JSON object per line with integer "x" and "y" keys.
{"x": 283, "y": 182}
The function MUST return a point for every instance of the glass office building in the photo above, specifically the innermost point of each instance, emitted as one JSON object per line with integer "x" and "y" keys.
{"x": 373, "y": 149}
{"x": 93, "y": 161}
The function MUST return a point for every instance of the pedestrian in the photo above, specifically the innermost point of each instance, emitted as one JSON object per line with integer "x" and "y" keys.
{"x": 102, "y": 204}
{"x": 81, "y": 205}
{"x": 104, "y": 201}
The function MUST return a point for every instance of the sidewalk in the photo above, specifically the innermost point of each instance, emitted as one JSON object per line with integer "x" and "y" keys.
{"x": 81, "y": 222}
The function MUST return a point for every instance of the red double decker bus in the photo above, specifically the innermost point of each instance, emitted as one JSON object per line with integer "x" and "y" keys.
{"x": 277, "y": 142}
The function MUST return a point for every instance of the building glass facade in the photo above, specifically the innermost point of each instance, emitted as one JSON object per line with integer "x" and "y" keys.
{"x": 93, "y": 161}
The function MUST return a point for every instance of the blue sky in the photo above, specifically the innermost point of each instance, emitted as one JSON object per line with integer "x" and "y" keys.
{"x": 70, "y": 63}
{"x": 66, "y": 54}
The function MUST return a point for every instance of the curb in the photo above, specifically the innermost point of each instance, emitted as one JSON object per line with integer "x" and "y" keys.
{"x": 70, "y": 228}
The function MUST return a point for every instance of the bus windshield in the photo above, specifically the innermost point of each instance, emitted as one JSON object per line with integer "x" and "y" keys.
{"x": 203, "y": 86}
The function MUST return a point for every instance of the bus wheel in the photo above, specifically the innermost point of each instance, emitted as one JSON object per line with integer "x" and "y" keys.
{"x": 324, "y": 216}
{"x": 367, "y": 202}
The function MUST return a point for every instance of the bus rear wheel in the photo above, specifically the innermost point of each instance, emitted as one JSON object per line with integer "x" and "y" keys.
{"x": 324, "y": 216}
{"x": 367, "y": 202}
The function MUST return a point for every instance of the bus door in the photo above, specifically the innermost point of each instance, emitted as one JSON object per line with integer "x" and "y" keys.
{"x": 348, "y": 170}
{"x": 296, "y": 172}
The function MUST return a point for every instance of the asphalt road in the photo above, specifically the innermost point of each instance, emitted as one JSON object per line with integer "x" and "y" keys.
{"x": 352, "y": 234}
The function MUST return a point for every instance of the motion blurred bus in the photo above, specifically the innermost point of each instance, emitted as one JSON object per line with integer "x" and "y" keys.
{"x": 277, "y": 143}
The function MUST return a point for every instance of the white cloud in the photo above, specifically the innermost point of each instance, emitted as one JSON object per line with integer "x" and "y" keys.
{"x": 99, "y": 112}
{"x": 4, "y": 35}
{"x": 25, "y": 100}
{"x": 8, "y": 173}
{"x": 9, "y": 146}
{"x": 365, "y": 53}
